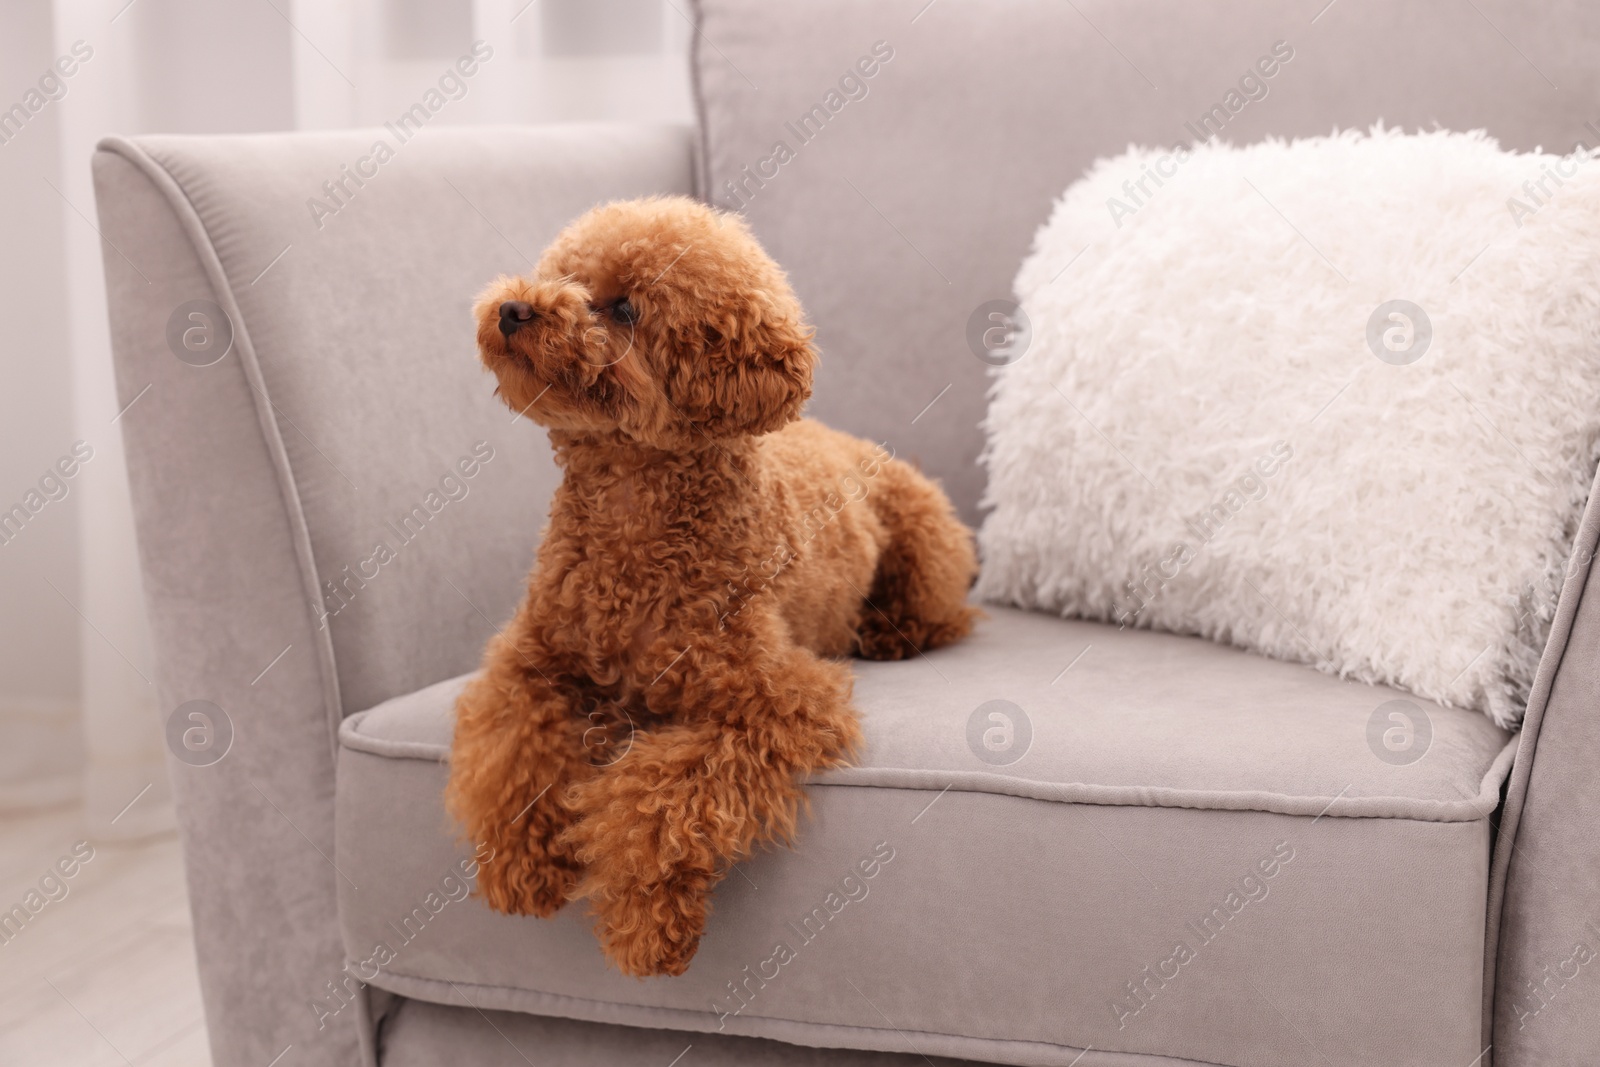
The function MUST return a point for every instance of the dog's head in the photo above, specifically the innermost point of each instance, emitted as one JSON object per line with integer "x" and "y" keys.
{"x": 660, "y": 318}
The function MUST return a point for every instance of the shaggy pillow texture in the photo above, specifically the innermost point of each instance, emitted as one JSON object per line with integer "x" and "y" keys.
{"x": 1335, "y": 400}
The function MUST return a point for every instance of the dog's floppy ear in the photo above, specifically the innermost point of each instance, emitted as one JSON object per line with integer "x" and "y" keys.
{"x": 755, "y": 373}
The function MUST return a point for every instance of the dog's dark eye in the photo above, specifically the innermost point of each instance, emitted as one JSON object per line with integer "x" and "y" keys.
{"x": 624, "y": 312}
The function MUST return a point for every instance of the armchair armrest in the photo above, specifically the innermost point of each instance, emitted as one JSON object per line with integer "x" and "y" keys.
{"x": 304, "y": 380}
{"x": 1543, "y": 991}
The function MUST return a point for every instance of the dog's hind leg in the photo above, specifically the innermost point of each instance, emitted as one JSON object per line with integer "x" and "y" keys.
{"x": 918, "y": 599}
{"x": 518, "y": 747}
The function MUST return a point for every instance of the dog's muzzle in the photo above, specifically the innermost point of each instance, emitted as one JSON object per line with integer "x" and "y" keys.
{"x": 515, "y": 314}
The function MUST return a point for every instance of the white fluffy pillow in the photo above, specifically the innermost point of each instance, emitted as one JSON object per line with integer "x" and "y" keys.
{"x": 1200, "y": 346}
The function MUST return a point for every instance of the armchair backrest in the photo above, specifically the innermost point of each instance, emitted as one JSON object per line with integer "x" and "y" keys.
{"x": 897, "y": 158}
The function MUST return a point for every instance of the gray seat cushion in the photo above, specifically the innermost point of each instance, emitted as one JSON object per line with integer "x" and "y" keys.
{"x": 1187, "y": 825}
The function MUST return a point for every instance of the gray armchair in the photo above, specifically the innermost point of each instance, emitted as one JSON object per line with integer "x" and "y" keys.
{"x": 324, "y": 487}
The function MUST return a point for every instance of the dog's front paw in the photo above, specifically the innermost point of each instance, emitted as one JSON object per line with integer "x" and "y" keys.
{"x": 648, "y": 929}
{"x": 526, "y": 883}
{"x": 648, "y": 867}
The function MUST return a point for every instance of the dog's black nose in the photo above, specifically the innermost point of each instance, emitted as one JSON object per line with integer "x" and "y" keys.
{"x": 515, "y": 314}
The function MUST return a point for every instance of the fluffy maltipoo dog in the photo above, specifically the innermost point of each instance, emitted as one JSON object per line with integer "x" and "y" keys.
{"x": 649, "y": 715}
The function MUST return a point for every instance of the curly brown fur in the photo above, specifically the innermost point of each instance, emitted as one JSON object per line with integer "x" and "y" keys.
{"x": 706, "y": 549}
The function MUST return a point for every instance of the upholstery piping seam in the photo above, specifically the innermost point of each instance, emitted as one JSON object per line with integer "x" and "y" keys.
{"x": 1466, "y": 810}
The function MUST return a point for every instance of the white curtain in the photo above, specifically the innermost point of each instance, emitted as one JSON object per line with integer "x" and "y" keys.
{"x": 77, "y": 703}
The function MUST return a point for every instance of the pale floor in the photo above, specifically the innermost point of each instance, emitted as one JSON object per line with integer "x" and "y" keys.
{"x": 104, "y": 976}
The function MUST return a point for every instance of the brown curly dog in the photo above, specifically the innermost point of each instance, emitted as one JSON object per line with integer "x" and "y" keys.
{"x": 648, "y": 716}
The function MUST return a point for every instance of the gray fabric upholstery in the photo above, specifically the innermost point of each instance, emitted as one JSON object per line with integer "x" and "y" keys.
{"x": 1159, "y": 773}
{"x": 350, "y": 392}
{"x": 916, "y": 203}
{"x": 420, "y": 1034}
{"x": 1545, "y": 1001}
